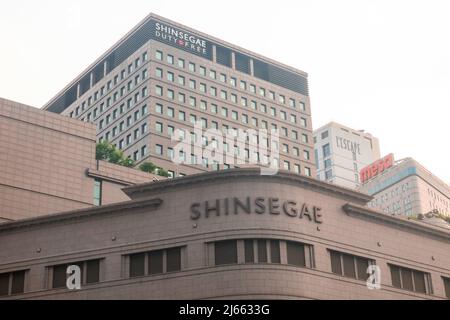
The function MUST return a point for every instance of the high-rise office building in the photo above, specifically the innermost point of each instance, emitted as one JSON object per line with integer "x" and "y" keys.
{"x": 405, "y": 187}
{"x": 341, "y": 152}
{"x": 163, "y": 76}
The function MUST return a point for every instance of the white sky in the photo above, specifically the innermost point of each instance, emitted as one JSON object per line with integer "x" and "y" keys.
{"x": 382, "y": 66}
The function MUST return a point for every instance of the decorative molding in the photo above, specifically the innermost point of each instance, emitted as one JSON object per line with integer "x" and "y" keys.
{"x": 152, "y": 204}
{"x": 245, "y": 173}
{"x": 404, "y": 223}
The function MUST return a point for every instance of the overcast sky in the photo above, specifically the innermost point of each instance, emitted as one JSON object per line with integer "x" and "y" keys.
{"x": 382, "y": 66}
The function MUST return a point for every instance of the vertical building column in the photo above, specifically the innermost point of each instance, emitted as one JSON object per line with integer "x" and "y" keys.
{"x": 251, "y": 67}
{"x": 283, "y": 253}
{"x": 233, "y": 61}
{"x": 214, "y": 53}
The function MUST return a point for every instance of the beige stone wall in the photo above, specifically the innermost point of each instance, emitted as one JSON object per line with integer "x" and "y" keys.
{"x": 43, "y": 162}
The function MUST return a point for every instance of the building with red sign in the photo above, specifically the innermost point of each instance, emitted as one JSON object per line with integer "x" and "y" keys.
{"x": 404, "y": 187}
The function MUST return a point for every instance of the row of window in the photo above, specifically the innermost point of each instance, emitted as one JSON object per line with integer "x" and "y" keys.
{"x": 229, "y": 252}
{"x": 205, "y": 162}
{"x": 170, "y": 94}
{"x": 109, "y": 85}
{"x": 233, "y": 81}
{"x": 130, "y": 121}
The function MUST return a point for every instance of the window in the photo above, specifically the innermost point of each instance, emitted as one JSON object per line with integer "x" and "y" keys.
{"x": 12, "y": 283}
{"x": 159, "y": 127}
{"x": 192, "y": 84}
{"x": 159, "y": 149}
{"x": 150, "y": 263}
{"x": 262, "y": 250}
{"x": 223, "y": 94}
{"x": 90, "y": 273}
{"x": 202, "y": 71}
{"x": 291, "y": 103}
{"x": 159, "y": 108}
{"x": 203, "y": 87}
{"x": 213, "y": 91}
{"x": 233, "y": 81}
{"x": 181, "y": 97}
{"x": 212, "y": 74}
{"x": 234, "y": 115}
{"x": 308, "y": 171}
{"x": 170, "y": 112}
{"x": 275, "y": 251}
{"x": 306, "y": 154}
{"x": 324, "y": 134}
{"x": 159, "y": 55}
{"x": 224, "y": 112}
{"x": 447, "y": 286}
{"x": 143, "y": 151}
{"x": 191, "y": 67}
{"x": 181, "y": 80}
{"x": 170, "y": 76}
{"x": 349, "y": 266}
{"x": 297, "y": 168}
{"x": 326, "y": 150}
{"x": 169, "y": 59}
{"x": 243, "y": 85}
{"x": 303, "y": 122}
{"x": 97, "y": 192}
{"x": 304, "y": 138}
{"x": 225, "y": 252}
{"x": 223, "y": 78}
{"x": 233, "y": 98}
{"x": 287, "y": 165}
{"x": 182, "y": 116}
{"x": 249, "y": 251}
{"x": 170, "y": 94}
{"x": 159, "y": 91}
{"x": 410, "y": 279}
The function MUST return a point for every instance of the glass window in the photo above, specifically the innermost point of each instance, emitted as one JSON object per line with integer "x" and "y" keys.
{"x": 173, "y": 259}
{"x": 275, "y": 251}
{"x": 295, "y": 254}
{"x": 155, "y": 262}
{"x": 225, "y": 252}
{"x": 137, "y": 263}
{"x": 249, "y": 251}
{"x": 262, "y": 250}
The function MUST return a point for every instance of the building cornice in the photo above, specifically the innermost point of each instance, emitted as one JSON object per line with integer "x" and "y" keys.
{"x": 151, "y": 204}
{"x": 357, "y": 211}
{"x": 244, "y": 173}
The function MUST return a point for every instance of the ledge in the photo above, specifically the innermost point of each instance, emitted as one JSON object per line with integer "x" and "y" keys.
{"x": 244, "y": 173}
{"x": 152, "y": 204}
{"x": 382, "y": 218}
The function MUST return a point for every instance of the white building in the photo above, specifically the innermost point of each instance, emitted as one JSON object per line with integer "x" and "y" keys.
{"x": 407, "y": 188}
{"x": 341, "y": 152}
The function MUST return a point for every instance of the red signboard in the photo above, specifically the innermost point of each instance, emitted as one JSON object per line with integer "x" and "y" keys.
{"x": 376, "y": 168}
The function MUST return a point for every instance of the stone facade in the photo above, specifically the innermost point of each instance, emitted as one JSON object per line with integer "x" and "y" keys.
{"x": 159, "y": 217}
